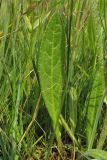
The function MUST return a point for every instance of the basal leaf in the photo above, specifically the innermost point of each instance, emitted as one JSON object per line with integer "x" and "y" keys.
{"x": 95, "y": 105}
{"x": 50, "y": 67}
{"x": 103, "y": 133}
{"x": 96, "y": 153}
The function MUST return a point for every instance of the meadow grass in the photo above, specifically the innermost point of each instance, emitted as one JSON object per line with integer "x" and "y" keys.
{"x": 53, "y": 94}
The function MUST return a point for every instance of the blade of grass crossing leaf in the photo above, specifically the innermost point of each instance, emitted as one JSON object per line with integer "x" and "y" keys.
{"x": 68, "y": 130}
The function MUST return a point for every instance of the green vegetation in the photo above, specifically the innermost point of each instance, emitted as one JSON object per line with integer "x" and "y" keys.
{"x": 53, "y": 91}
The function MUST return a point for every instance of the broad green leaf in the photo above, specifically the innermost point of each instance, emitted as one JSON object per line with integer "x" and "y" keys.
{"x": 96, "y": 153}
{"x": 103, "y": 134}
{"x": 50, "y": 67}
{"x": 103, "y": 9}
{"x": 96, "y": 95}
{"x": 94, "y": 107}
